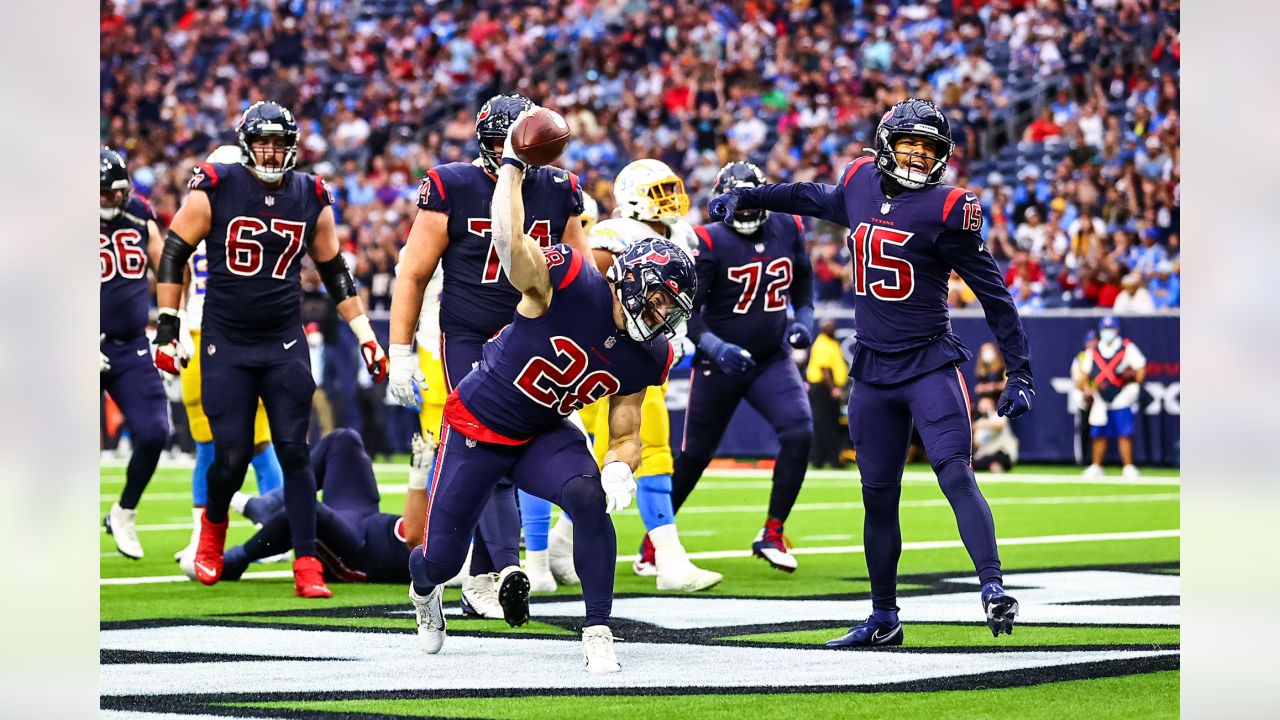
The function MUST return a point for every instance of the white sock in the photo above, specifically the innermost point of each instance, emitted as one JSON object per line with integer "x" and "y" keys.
{"x": 666, "y": 545}
{"x": 536, "y": 561}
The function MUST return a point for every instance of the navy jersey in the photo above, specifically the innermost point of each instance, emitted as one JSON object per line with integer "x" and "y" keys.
{"x": 537, "y": 371}
{"x": 123, "y": 297}
{"x": 903, "y": 251}
{"x": 477, "y": 297}
{"x": 745, "y": 282}
{"x": 254, "y": 249}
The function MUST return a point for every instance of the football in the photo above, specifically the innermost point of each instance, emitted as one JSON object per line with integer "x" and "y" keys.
{"x": 540, "y": 137}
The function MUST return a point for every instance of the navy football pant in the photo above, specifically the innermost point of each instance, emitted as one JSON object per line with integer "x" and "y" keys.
{"x": 776, "y": 392}
{"x": 234, "y": 375}
{"x": 555, "y": 466}
{"x": 497, "y": 535}
{"x": 134, "y": 384}
{"x": 880, "y": 419}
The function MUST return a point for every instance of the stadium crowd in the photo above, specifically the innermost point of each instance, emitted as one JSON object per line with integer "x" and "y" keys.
{"x": 1065, "y": 111}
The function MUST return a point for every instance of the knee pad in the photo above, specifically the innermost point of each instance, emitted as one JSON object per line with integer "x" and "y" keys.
{"x": 583, "y": 497}
{"x": 292, "y": 455}
{"x": 796, "y": 440}
{"x": 653, "y": 499}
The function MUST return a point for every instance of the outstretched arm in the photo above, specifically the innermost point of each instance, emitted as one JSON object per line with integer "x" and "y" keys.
{"x": 966, "y": 253}
{"x": 520, "y": 256}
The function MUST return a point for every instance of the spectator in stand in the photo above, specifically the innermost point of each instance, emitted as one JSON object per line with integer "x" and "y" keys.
{"x": 959, "y": 294}
{"x": 1165, "y": 287}
{"x": 1026, "y": 296}
{"x": 1133, "y": 298}
{"x": 832, "y": 273}
{"x": 988, "y": 372}
{"x": 1024, "y": 268}
{"x": 1148, "y": 256}
{"x": 1043, "y": 129}
{"x": 995, "y": 447}
{"x": 827, "y": 375}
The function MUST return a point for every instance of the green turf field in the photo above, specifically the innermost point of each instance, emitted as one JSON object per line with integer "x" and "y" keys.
{"x": 1094, "y": 565}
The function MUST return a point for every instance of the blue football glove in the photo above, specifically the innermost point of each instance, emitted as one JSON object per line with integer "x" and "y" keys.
{"x": 800, "y": 334}
{"x": 723, "y": 206}
{"x": 1016, "y": 398}
{"x": 728, "y": 357}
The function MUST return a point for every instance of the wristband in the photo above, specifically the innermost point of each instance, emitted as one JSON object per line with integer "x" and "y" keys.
{"x": 363, "y": 329}
{"x": 513, "y": 162}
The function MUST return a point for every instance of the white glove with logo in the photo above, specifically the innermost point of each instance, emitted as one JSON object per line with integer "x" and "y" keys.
{"x": 405, "y": 379}
{"x": 619, "y": 487}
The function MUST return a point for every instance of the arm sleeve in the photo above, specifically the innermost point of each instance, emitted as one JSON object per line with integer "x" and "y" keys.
{"x": 966, "y": 253}
{"x": 337, "y": 278}
{"x": 705, "y": 266}
{"x": 432, "y": 194}
{"x": 818, "y": 200}
{"x": 802, "y": 285}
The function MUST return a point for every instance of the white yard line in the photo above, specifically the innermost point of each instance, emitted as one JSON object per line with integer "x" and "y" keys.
{"x": 724, "y": 554}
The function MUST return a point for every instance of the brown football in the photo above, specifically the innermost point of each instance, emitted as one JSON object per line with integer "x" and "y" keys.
{"x": 541, "y": 137}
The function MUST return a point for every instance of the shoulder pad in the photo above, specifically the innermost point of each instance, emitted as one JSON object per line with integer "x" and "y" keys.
{"x": 961, "y": 209}
{"x": 204, "y": 177}
{"x": 606, "y": 236}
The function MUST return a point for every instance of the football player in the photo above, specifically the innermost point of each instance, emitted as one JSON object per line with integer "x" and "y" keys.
{"x": 257, "y": 217}
{"x": 453, "y": 230}
{"x": 128, "y": 241}
{"x": 266, "y": 467}
{"x": 355, "y": 540}
{"x": 576, "y": 337}
{"x": 908, "y": 231}
{"x": 661, "y": 552}
{"x": 750, "y": 268}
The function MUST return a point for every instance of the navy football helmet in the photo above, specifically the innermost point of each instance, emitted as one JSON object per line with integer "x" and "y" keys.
{"x": 918, "y": 118}
{"x": 268, "y": 118}
{"x": 649, "y": 266}
{"x": 113, "y": 183}
{"x": 492, "y": 123}
{"x": 741, "y": 174}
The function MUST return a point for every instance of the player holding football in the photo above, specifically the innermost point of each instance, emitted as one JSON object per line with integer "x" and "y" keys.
{"x": 257, "y": 218}
{"x": 749, "y": 267}
{"x": 453, "y": 229}
{"x": 908, "y": 232}
{"x": 128, "y": 240}
{"x": 576, "y": 337}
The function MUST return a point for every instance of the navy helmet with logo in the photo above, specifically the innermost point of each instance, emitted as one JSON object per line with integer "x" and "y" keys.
{"x": 648, "y": 267}
{"x": 492, "y": 123}
{"x": 914, "y": 118}
{"x": 268, "y": 118}
{"x": 741, "y": 174}
{"x": 113, "y": 183}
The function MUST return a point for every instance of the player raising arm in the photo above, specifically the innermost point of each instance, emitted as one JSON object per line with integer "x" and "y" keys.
{"x": 257, "y": 216}
{"x": 575, "y": 337}
{"x": 907, "y": 232}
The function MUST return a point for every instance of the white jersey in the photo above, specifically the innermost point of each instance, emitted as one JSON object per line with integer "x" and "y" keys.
{"x": 428, "y": 333}
{"x": 199, "y": 265}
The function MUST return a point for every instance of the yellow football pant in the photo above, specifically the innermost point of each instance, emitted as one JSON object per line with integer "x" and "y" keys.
{"x": 432, "y": 413}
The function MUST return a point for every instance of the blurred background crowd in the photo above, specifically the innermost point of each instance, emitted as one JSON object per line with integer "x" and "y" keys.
{"x": 1065, "y": 112}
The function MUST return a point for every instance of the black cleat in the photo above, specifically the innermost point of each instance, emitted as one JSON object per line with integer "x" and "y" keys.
{"x": 869, "y": 634}
{"x": 513, "y": 595}
{"x": 1001, "y": 609}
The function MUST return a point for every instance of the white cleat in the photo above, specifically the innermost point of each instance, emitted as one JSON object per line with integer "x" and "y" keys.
{"x": 1093, "y": 471}
{"x": 772, "y": 548}
{"x": 597, "y": 649}
{"x": 538, "y": 567}
{"x": 190, "y": 550}
{"x": 560, "y": 553}
{"x": 644, "y": 568}
{"x": 430, "y": 616}
{"x": 122, "y": 526}
{"x": 688, "y": 578}
{"x": 480, "y": 597}
{"x": 1130, "y": 472}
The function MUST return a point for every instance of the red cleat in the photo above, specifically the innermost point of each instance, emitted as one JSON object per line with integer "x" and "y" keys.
{"x": 213, "y": 538}
{"x": 308, "y": 578}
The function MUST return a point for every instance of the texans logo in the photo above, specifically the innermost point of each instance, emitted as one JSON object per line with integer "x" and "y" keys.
{"x": 656, "y": 258}
{"x": 484, "y": 113}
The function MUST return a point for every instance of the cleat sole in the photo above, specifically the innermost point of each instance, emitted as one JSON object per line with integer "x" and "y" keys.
{"x": 513, "y": 596}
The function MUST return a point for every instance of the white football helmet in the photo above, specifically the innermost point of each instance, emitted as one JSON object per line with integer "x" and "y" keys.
{"x": 648, "y": 190}
{"x": 226, "y": 155}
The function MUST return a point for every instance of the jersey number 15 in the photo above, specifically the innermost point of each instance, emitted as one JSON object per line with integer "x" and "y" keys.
{"x": 868, "y": 243}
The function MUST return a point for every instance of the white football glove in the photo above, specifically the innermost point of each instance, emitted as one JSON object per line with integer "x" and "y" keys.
{"x": 104, "y": 362}
{"x": 619, "y": 487}
{"x": 405, "y": 379}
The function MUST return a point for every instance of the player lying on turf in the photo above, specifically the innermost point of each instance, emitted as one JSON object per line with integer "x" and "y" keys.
{"x": 355, "y": 541}
{"x": 576, "y": 337}
{"x": 908, "y": 231}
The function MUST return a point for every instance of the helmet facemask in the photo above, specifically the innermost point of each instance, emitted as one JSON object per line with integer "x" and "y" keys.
{"x": 641, "y": 294}
{"x": 111, "y": 201}
{"x": 742, "y": 175}
{"x": 908, "y": 176}
{"x": 272, "y": 168}
{"x": 666, "y": 199}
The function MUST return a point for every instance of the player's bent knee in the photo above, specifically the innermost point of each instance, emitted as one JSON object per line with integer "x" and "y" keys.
{"x": 583, "y": 497}
{"x": 955, "y": 474}
{"x": 797, "y": 437}
{"x": 346, "y": 438}
{"x": 292, "y": 455}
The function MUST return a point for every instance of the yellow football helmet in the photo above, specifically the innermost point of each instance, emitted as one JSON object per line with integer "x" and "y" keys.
{"x": 648, "y": 190}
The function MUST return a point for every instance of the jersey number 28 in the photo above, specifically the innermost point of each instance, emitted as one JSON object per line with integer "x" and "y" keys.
{"x": 869, "y": 243}
{"x": 565, "y": 387}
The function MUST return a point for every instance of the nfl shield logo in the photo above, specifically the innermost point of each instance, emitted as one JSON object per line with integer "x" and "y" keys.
{"x": 609, "y": 341}
{"x": 885, "y": 208}
{"x": 759, "y": 247}
{"x": 270, "y": 200}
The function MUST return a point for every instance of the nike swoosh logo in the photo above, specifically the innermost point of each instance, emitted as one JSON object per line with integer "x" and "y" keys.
{"x": 558, "y": 179}
{"x": 142, "y": 352}
{"x": 204, "y": 568}
{"x": 876, "y": 637}
{"x": 291, "y": 343}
